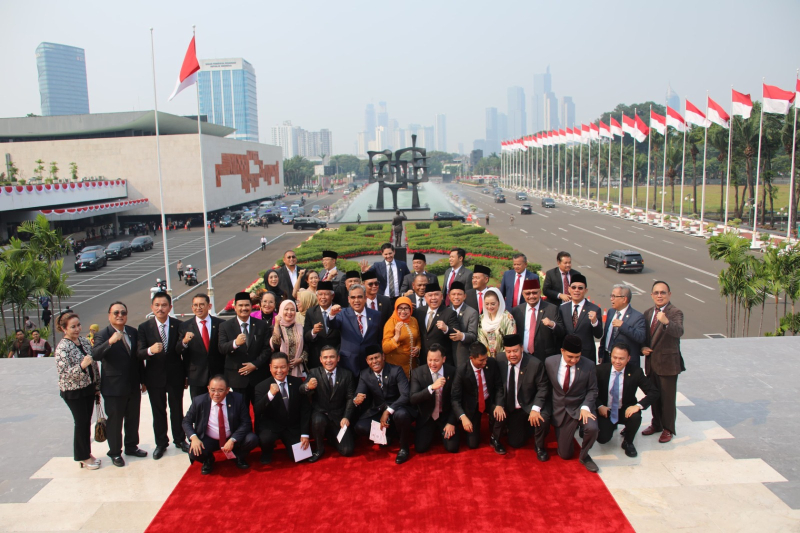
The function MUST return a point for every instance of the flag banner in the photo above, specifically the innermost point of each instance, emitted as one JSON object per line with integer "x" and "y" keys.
{"x": 695, "y": 116}
{"x": 675, "y": 119}
{"x": 188, "y": 74}
{"x": 777, "y": 100}
{"x": 595, "y": 131}
{"x": 562, "y": 136}
{"x": 741, "y": 104}
{"x": 605, "y": 131}
{"x": 717, "y": 114}
{"x": 570, "y": 135}
{"x": 586, "y": 134}
{"x": 641, "y": 131}
{"x": 628, "y": 125}
{"x": 616, "y": 129}
{"x": 658, "y": 122}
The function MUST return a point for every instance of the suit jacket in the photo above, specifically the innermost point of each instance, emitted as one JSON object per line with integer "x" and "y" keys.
{"x": 582, "y": 391}
{"x": 196, "y": 420}
{"x": 465, "y": 389}
{"x": 379, "y": 267}
{"x": 385, "y": 308}
{"x": 434, "y": 334}
{"x": 507, "y": 286}
{"x": 313, "y": 345}
{"x": 408, "y": 281}
{"x": 122, "y": 372}
{"x": 421, "y": 397}
{"x": 464, "y": 276}
{"x": 554, "y": 284}
{"x": 417, "y": 301}
{"x": 666, "y": 359}
{"x": 632, "y": 332}
{"x": 468, "y": 320}
{"x": 394, "y": 392}
{"x": 285, "y": 280}
{"x": 584, "y": 328}
{"x": 164, "y": 368}
{"x": 532, "y": 385}
{"x": 197, "y": 360}
{"x": 256, "y": 350}
{"x": 634, "y": 379}
{"x": 353, "y": 344}
{"x": 337, "y": 280}
{"x": 546, "y": 341}
{"x": 272, "y": 415}
{"x": 472, "y": 300}
{"x": 335, "y": 404}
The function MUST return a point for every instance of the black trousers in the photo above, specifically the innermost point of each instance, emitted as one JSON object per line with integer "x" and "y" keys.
{"x": 322, "y": 427}
{"x": 607, "y": 427}
{"x": 520, "y": 430}
{"x": 240, "y": 448}
{"x": 249, "y": 395}
{"x": 82, "y": 409}
{"x": 159, "y": 399}
{"x": 123, "y": 411}
{"x": 399, "y": 425}
{"x": 474, "y": 438}
{"x": 197, "y": 390}
{"x": 288, "y": 436}
{"x": 664, "y": 408}
{"x": 426, "y": 431}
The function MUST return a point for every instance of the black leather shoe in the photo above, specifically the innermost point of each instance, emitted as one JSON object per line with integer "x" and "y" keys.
{"x": 242, "y": 463}
{"x": 183, "y": 446}
{"x": 590, "y": 465}
{"x": 316, "y": 456}
{"x": 497, "y": 446}
{"x": 402, "y": 456}
{"x": 266, "y": 458}
{"x": 208, "y": 466}
{"x": 542, "y": 455}
{"x": 158, "y": 453}
{"x": 117, "y": 461}
{"x": 137, "y": 453}
{"x": 630, "y": 449}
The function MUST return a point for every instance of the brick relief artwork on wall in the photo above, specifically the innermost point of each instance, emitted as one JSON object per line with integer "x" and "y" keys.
{"x": 239, "y": 165}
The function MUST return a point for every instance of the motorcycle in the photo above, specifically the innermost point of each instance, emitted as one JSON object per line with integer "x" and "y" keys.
{"x": 190, "y": 276}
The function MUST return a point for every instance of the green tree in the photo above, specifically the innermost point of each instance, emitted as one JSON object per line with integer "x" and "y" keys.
{"x": 73, "y": 170}
{"x": 718, "y": 140}
{"x": 39, "y": 168}
{"x": 53, "y": 170}
{"x": 296, "y": 171}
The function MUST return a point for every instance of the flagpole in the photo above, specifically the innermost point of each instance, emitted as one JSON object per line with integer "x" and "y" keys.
{"x": 758, "y": 168}
{"x": 608, "y": 174}
{"x": 599, "y": 141}
{"x": 621, "y": 138}
{"x": 728, "y": 179}
{"x": 647, "y": 191}
{"x": 580, "y": 172}
{"x": 703, "y": 194}
{"x": 633, "y": 169}
{"x": 789, "y": 221}
{"x": 572, "y": 172}
{"x": 664, "y": 171}
{"x": 683, "y": 169}
{"x": 558, "y": 170}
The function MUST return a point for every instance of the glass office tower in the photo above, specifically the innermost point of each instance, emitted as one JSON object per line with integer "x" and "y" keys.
{"x": 228, "y": 95}
{"x": 62, "y": 79}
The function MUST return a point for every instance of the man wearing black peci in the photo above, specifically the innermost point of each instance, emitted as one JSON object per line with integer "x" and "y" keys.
{"x": 436, "y": 322}
{"x": 539, "y": 322}
{"x": 377, "y": 302}
{"x": 316, "y": 330}
{"x": 557, "y": 280}
{"x": 418, "y": 265}
{"x": 431, "y": 387}
{"x": 581, "y": 317}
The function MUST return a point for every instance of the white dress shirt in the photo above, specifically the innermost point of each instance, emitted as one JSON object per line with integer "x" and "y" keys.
{"x": 621, "y": 314}
{"x": 528, "y": 311}
{"x": 429, "y": 316}
{"x": 562, "y": 370}
{"x": 286, "y": 386}
{"x": 362, "y": 317}
{"x": 483, "y": 377}
{"x": 292, "y": 274}
{"x": 611, "y": 384}
{"x": 213, "y": 421}
{"x": 393, "y": 266}
{"x": 369, "y": 304}
{"x": 434, "y": 378}
{"x": 453, "y": 274}
{"x": 579, "y": 305}
{"x": 166, "y": 335}
{"x": 325, "y": 317}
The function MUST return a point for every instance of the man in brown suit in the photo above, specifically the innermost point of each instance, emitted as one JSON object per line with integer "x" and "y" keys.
{"x": 663, "y": 361}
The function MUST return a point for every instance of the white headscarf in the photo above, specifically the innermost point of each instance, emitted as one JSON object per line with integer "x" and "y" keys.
{"x": 488, "y": 325}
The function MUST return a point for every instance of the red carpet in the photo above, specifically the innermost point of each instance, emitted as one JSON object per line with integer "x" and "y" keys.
{"x": 473, "y": 490}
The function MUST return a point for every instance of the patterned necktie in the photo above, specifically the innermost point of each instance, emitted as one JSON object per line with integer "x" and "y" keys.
{"x": 566, "y": 283}
{"x": 223, "y": 438}
{"x": 246, "y": 332}
{"x": 566, "y": 379}
{"x": 330, "y": 379}
{"x": 325, "y": 277}
{"x": 373, "y": 306}
{"x": 481, "y": 397}
{"x": 515, "y": 299}
{"x": 615, "y": 398}
{"x": 613, "y": 333}
{"x": 380, "y": 381}
{"x": 360, "y": 325}
{"x": 390, "y": 274}
{"x": 325, "y": 320}
{"x": 285, "y": 395}
{"x": 437, "y": 407}
{"x": 654, "y": 325}
{"x": 164, "y": 336}
{"x": 206, "y": 339}
{"x": 574, "y": 316}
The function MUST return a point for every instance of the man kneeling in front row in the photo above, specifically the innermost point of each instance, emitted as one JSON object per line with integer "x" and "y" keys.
{"x": 219, "y": 420}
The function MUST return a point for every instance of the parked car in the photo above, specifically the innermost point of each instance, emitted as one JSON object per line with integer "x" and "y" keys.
{"x": 448, "y": 215}
{"x": 308, "y": 223}
{"x": 330, "y": 191}
{"x": 314, "y": 209}
{"x": 96, "y": 248}
{"x": 225, "y": 222}
{"x": 287, "y": 219}
{"x": 499, "y": 199}
{"x": 305, "y": 191}
{"x": 526, "y": 209}
{"x": 522, "y": 196}
{"x": 118, "y": 250}
{"x": 141, "y": 244}
{"x": 92, "y": 260}
{"x": 628, "y": 260}
{"x": 548, "y": 202}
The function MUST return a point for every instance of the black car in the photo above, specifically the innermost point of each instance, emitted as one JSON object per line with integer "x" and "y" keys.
{"x": 118, "y": 250}
{"x": 225, "y": 222}
{"x": 485, "y": 191}
{"x": 141, "y": 244}
{"x": 548, "y": 202}
{"x": 522, "y": 196}
{"x": 90, "y": 261}
{"x": 96, "y": 248}
{"x": 447, "y": 215}
{"x": 526, "y": 209}
{"x": 628, "y": 260}
{"x": 308, "y": 223}
{"x": 499, "y": 199}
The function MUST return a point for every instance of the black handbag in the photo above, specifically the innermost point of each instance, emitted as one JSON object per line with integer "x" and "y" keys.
{"x": 100, "y": 425}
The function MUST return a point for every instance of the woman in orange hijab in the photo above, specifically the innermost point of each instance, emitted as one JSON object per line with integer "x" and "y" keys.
{"x": 401, "y": 341}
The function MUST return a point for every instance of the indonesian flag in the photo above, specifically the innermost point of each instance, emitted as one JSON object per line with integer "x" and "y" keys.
{"x": 562, "y": 137}
{"x": 604, "y": 131}
{"x": 627, "y": 125}
{"x": 797, "y": 89}
{"x": 658, "y": 122}
{"x": 586, "y": 134}
{"x": 570, "y": 135}
{"x": 741, "y": 104}
{"x": 777, "y": 100}
{"x": 594, "y": 131}
{"x": 717, "y": 115}
{"x": 640, "y": 131}
{"x": 188, "y": 75}
{"x": 616, "y": 129}
{"x": 521, "y": 144}
{"x": 695, "y": 116}
{"x": 675, "y": 119}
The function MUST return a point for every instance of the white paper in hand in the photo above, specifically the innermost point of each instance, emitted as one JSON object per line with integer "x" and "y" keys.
{"x": 377, "y": 434}
{"x": 229, "y": 455}
{"x": 299, "y": 453}
{"x": 341, "y": 433}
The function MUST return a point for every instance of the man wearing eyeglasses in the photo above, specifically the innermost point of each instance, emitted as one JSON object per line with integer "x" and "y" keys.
{"x": 624, "y": 324}
{"x": 287, "y": 274}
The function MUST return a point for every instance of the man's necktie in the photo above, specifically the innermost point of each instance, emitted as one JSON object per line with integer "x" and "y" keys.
{"x": 164, "y": 336}
{"x": 481, "y": 398}
{"x": 330, "y": 380}
{"x": 285, "y": 395}
{"x": 613, "y": 334}
{"x": 126, "y": 342}
{"x": 654, "y": 325}
{"x": 437, "y": 406}
{"x": 204, "y": 333}
{"x": 223, "y": 438}
{"x": 390, "y": 275}
{"x": 429, "y": 320}
{"x": 515, "y": 299}
{"x": 615, "y": 398}
{"x": 566, "y": 379}
{"x": 532, "y": 330}
{"x": 574, "y": 316}
{"x": 511, "y": 396}
{"x": 480, "y": 301}
{"x": 373, "y": 306}
{"x": 246, "y": 332}
{"x": 325, "y": 277}
{"x": 380, "y": 381}
{"x": 325, "y": 320}
{"x": 566, "y": 283}
{"x": 360, "y": 325}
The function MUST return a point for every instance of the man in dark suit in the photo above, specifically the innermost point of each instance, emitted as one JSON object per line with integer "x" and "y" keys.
{"x": 467, "y": 331}
{"x": 511, "y": 285}
{"x": 477, "y": 390}
{"x": 341, "y": 296}
{"x": 431, "y": 387}
{"x": 616, "y": 399}
{"x": 287, "y": 274}
{"x": 558, "y": 279}
{"x": 383, "y": 389}
{"x": 624, "y": 324}
{"x": 539, "y": 323}
{"x": 436, "y": 322}
{"x": 377, "y": 302}
{"x": 359, "y": 328}
{"x": 329, "y": 270}
{"x": 417, "y": 295}
{"x": 219, "y": 420}
{"x": 331, "y": 390}
{"x": 419, "y": 265}
{"x": 316, "y": 330}
{"x": 573, "y": 381}
{"x": 199, "y": 345}
{"x": 165, "y": 374}
{"x": 390, "y": 271}
{"x": 283, "y": 412}
{"x": 581, "y": 317}
{"x": 244, "y": 342}
{"x": 663, "y": 360}
{"x": 121, "y": 383}
{"x": 480, "y": 282}
{"x": 456, "y": 272}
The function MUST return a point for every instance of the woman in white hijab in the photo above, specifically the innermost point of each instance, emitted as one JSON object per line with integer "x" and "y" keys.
{"x": 495, "y": 322}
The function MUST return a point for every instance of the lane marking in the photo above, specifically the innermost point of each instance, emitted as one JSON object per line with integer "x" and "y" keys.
{"x": 578, "y": 245}
{"x": 562, "y": 229}
{"x": 522, "y": 230}
{"x": 668, "y": 242}
{"x": 690, "y": 248}
{"x": 595, "y": 253}
{"x": 564, "y": 238}
{"x": 693, "y": 298}
{"x": 706, "y": 286}
{"x": 598, "y": 227}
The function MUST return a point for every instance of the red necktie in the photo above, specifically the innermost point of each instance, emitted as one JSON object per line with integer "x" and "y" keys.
{"x": 360, "y": 326}
{"x": 221, "y": 422}
{"x": 566, "y": 380}
{"x": 481, "y": 399}
{"x": 206, "y": 340}
{"x": 480, "y": 301}
{"x": 326, "y": 276}
{"x": 515, "y": 300}
{"x": 654, "y": 325}
{"x": 532, "y": 331}
{"x": 566, "y": 284}
{"x": 373, "y": 306}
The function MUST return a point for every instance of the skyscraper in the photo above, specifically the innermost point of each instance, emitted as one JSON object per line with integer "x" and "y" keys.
{"x": 517, "y": 121}
{"x": 428, "y": 139}
{"x": 285, "y": 136}
{"x": 542, "y": 87}
{"x": 492, "y": 143}
{"x": 62, "y": 79}
{"x": 370, "y": 122}
{"x": 383, "y": 115}
{"x": 441, "y": 133}
{"x": 568, "y": 112}
{"x": 673, "y": 100}
{"x": 551, "y": 112}
{"x": 502, "y": 128}
{"x": 227, "y": 90}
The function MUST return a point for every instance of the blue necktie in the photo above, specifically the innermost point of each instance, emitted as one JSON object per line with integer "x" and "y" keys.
{"x": 615, "y": 399}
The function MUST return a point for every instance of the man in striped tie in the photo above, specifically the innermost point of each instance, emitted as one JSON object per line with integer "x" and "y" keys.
{"x": 430, "y": 393}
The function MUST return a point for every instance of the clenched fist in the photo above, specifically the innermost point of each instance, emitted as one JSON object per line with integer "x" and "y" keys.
{"x": 274, "y": 389}
{"x": 188, "y": 337}
{"x": 116, "y": 337}
{"x": 548, "y": 323}
{"x": 157, "y": 348}
{"x": 241, "y": 339}
{"x": 312, "y": 384}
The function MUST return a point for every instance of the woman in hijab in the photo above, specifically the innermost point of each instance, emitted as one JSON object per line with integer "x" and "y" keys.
{"x": 401, "y": 340}
{"x": 273, "y": 286}
{"x": 287, "y": 337}
{"x": 495, "y": 322}
{"x": 305, "y": 301}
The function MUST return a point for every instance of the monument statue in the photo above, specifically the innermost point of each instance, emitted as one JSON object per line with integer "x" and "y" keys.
{"x": 395, "y": 172}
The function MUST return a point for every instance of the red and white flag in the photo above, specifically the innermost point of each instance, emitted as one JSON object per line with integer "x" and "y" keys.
{"x": 675, "y": 119}
{"x": 562, "y": 137}
{"x": 616, "y": 129}
{"x": 741, "y": 104}
{"x": 627, "y": 125}
{"x": 797, "y": 91}
{"x": 658, "y": 122}
{"x": 777, "y": 100}
{"x": 594, "y": 131}
{"x": 605, "y": 131}
{"x": 640, "y": 131}
{"x": 188, "y": 75}
{"x": 695, "y": 116}
{"x": 717, "y": 115}
{"x": 586, "y": 134}
{"x": 570, "y": 135}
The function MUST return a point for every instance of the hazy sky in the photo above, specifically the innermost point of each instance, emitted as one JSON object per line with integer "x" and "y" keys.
{"x": 318, "y": 63}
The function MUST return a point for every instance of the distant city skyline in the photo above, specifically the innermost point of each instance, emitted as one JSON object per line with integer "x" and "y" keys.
{"x": 63, "y": 88}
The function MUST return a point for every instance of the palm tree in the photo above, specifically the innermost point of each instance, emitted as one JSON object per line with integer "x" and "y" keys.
{"x": 786, "y": 139}
{"x": 733, "y": 250}
{"x": 718, "y": 139}
{"x": 674, "y": 162}
{"x": 695, "y": 136}
{"x": 746, "y": 137}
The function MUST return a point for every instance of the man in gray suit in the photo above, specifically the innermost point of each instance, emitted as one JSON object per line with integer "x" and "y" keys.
{"x": 623, "y": 325}
{"x": 456, "y": 272}
{"x": 329, "y": 270}
{"x": 418, "y": 267}
{"x": 467, "y": 333}
{"x": 573, "y": 380}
